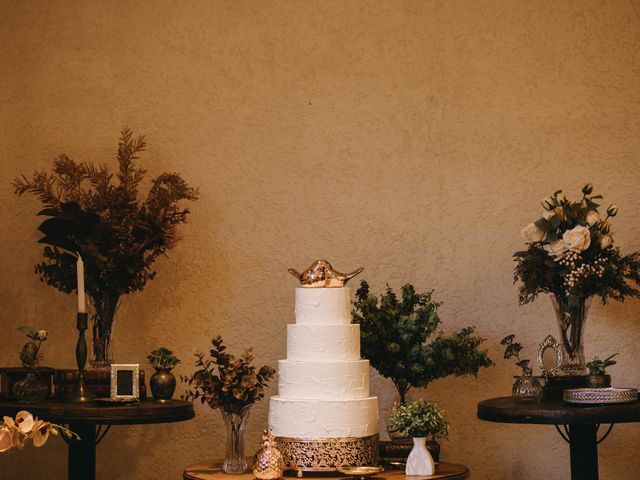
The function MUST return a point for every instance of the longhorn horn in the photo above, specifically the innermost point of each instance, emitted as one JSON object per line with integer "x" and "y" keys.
{"x": 295, "y": 273}
{"x": 349, "y": 276}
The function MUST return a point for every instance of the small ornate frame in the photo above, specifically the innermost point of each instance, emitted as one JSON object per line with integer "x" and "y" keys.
{"x": 553, "y": 344}
{"x": 119, "y": 367}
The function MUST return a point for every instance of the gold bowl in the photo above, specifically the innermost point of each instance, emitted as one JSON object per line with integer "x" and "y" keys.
{"x": 360, "y": 472}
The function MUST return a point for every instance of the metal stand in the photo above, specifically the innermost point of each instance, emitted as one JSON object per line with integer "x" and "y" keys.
{"x": 80, "y": 394}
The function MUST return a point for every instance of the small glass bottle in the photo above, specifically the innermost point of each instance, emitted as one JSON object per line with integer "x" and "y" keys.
{"x": 527, "y": 388}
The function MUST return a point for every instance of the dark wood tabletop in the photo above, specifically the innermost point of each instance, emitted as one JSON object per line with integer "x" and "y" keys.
{"x": 144, "y": 412}
{"x": 212, "y": 470}
{"x": 507, "y": 410}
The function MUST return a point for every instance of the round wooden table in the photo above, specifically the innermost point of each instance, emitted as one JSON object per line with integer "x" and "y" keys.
{"x": 581, "y": 423}
{"x": 212, "y": 470}
{"x": 92, "y": 421}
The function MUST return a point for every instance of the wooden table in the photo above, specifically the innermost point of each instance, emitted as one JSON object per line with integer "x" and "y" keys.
{"x": 92, "y": 421}
{"x": 212, "y": 470}
{"x": 581, "y": 423}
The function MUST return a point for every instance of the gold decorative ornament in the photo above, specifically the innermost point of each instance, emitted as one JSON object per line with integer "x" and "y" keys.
{"x": 328, "y": 454}
{"x": 268, "y": 463}
{"x": 321, "y": 274}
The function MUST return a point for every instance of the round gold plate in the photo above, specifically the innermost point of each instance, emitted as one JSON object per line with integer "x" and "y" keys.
{"x": 360, "y": 472}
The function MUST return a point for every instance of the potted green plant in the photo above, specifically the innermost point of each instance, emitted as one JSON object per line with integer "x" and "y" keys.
{"x": 526, "y": 388}
{"x": 400, "y": 338}
{"x": 231, "y": 384}
{"x": 100, "y": 216}
{"x": 598, "y": 377}
{"x": 162, "y": 382}
{"x": 419, "y": 419}
{"x": 571, "y": 256}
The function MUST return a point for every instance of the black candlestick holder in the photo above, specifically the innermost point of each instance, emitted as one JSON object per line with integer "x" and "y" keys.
{"x": 80, "y": 393}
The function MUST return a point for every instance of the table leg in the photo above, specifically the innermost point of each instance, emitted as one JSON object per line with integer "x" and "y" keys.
{"x": 584, "y": 452}
{"x": 82, "y": 454}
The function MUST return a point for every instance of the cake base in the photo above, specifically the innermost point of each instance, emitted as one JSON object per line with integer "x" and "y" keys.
{"x": 326, "y": 454}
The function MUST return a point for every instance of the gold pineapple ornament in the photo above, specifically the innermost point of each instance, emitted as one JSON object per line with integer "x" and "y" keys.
{"x": 268, "y": 463}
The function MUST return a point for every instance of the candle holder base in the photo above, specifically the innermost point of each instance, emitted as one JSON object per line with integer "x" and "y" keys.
{"x": 80, "y": 394}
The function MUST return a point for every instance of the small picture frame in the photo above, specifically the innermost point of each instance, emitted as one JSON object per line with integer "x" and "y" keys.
{"x": 125, "y": 379}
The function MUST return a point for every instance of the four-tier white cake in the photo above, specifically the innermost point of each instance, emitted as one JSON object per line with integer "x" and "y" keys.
{"x": 323, "y": 396}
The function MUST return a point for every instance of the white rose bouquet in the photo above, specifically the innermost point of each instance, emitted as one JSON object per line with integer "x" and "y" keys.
{"x": 571, "y": 253}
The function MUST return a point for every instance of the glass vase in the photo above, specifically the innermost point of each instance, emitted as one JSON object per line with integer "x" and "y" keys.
{"x": 527, "y": 388}
{"x": 31, "y": 389}
{"x": 103, "y": 317}
{"x": 235, "y": 424}
{"x": 571, "y": 315}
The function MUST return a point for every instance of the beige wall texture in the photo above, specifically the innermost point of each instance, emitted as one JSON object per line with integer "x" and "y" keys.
{"x": 413, "y": 137}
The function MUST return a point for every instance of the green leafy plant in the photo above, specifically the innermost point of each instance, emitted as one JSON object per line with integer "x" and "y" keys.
{"x": 99, "y": 214}
{"x": 418, "y": 418}
{"x": 598, "y": 367}
{"x": 571, "y": 253}
{"x": 227, "y": 382}
{"x": 163, "y": 359}
{"x": 394, "y": 334}
{"x": 513, "y": 349}
{"x": 30, "y": 355}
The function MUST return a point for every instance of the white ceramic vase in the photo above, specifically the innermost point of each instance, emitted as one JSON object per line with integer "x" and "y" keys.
{"x": 420, "y": 461}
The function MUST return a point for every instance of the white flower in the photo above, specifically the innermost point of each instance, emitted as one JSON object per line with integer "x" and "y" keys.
{"x": 577, "y": 239}
{"x": 41, "y": 433}
{"x": 6, "y": 439}
{"x": 41, "y": 335}
{"x": 532, "y": 233}
{"x": 612, "y": 211}
{"x": 606, "y": 241}
{"x": 557, "y": 249}
{"x": 593, "y": 217}
{"x": 24, "y": 421}
{"x": 561, "y": 199}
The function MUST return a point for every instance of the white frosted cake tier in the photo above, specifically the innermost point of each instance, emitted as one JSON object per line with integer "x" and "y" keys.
{"x": 323, "y": 306}
{"x": 323, "y": 380}
{"x": 316, "y": 419}
{"x": 323, "y": 342}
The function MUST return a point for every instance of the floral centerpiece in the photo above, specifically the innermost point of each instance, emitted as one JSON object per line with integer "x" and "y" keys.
{"x": 394, "y": 333}
{"x": 419, "y": 419}
{"x": 232, "y": 384}
{"x": 571, "y": 256}
{"x": 98, "y": 214}
{"x": 17, "y": 432}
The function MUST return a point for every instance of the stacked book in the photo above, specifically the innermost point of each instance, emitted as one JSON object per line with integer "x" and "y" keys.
{"x": 97, "y": 382}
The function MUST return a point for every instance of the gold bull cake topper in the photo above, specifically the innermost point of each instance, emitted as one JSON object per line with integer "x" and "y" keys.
{"x": 321, "y": 275}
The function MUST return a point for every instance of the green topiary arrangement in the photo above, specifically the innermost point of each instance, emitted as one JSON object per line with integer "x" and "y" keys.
{"x": 394, "y": 338}
{"x": 419, "y": 418}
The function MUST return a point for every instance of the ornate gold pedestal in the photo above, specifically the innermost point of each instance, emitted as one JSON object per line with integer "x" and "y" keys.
{"x": 325, "y": 455}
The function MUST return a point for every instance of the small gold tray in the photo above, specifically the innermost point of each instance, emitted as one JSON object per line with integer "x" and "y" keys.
{"x": 360, "y": 472}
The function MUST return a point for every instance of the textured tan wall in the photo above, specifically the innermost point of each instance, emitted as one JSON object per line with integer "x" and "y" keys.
{"x": 415, "y": 138}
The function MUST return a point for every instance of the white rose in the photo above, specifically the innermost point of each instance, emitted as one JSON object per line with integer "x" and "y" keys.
{"x": 606, "y": 241}
{"x": 577, "y": 239}
{"x": 557, "y": 249}
{"x": 549, "y": 203}
{"x": 532, "y": 233}
{"x": 41, "y": 335}
{"x": 593, "y": 217}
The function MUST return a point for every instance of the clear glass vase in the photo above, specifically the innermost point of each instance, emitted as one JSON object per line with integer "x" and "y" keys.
{"x": 527, "y": 388}
{"x": 31, "y": 389}
{"x": 103, "y": 317}
{"x": 235, "y": 424}
{"x": 571, "y": 315}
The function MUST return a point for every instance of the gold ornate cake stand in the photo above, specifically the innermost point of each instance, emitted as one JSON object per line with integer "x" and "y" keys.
{"x": 327, "y": 454}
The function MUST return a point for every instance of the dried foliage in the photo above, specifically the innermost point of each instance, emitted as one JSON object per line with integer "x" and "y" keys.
{"x": 97, "y": 213}
{"x": 227, "y": 382}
